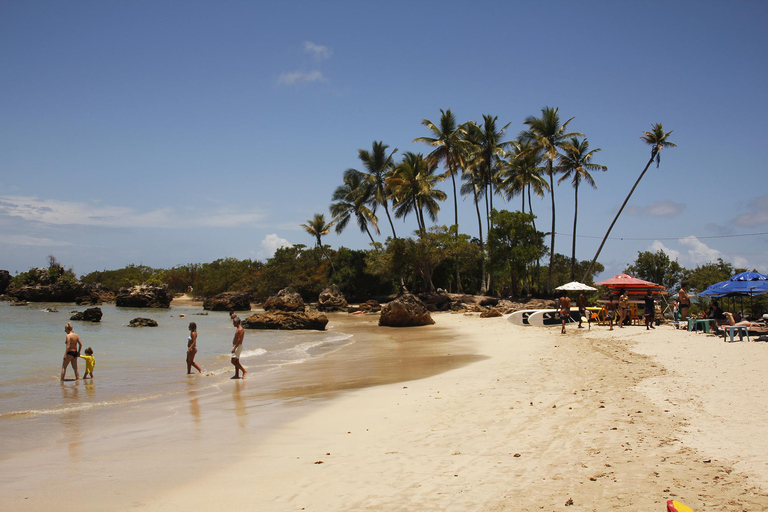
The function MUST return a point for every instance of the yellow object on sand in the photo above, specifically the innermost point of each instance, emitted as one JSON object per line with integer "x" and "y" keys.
{"x": 676, "y": 506}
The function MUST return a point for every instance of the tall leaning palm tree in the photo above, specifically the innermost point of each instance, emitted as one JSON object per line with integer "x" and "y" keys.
{"x": 657, "y": 138}
{"x": 473, "y": 185}
{"x": 413, "y": 185}
{"x": 351, "y": 199}
{"x": 378, "y": 165}
{"x": 547, "y": 136}
{"x": 446, "y": 139}
{"x": 575, "y": 165}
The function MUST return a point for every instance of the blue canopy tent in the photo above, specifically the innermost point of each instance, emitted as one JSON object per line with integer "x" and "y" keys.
{"x": 745, "y": 283}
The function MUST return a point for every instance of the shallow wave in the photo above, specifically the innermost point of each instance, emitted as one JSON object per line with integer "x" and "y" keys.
{"x": 85, "y": 406}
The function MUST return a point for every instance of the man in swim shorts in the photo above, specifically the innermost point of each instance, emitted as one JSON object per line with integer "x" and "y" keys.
{"x": 237, "y": 347}
{"x": 72, "y": 348}
{"x": 684, "y": 302}
{"x": 565, "y": 310}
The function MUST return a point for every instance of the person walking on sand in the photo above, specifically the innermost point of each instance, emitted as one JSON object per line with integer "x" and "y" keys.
{"x": 582, "y": 303}
{"x": 650, "y": 310}
{"x": 237, "y": 347}
{"x": 565, "y": 310}
{"x": 684, "y": 303}
{"x": 72, "y": 351}
{"x": 192, "y": 348}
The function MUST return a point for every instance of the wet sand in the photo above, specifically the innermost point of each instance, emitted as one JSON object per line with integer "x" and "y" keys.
{"x": 469, "y": 414}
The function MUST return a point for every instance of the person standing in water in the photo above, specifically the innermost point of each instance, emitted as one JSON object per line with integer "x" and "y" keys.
{"x": 192, "y": 349}
{"x": 237, "y": 347}
{"x": 72, "y": 351}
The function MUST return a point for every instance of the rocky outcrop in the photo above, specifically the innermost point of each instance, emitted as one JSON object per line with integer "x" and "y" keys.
{"x": 286, "y": 320}
{"x": 370, "y": 306}
{"x": 142, "y": 322}
{"x": 67, "y": 291}
{"x": 144, "y": 296}
{"x": 436, "y": 301}
{"x": 285, "y": 300}
{"x": 89, "y": 315}
{"x": 331, "y": 299}
{"x": 228, "y": 301}
{"x": 490, "y": 313}
{"x": 5, "y": 280}
{"x": 405, "y": 311}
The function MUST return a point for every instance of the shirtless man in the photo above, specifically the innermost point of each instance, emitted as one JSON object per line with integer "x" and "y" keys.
{"x": 582, "y": 303}
{"x": 72, "y": 348}
{"x": 237, "y": 347}
{"x": 565, "y": 310}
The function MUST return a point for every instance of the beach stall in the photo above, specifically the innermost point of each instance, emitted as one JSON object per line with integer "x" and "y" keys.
{"x": 743, "y": 284}
{"x": 636, "y": 288}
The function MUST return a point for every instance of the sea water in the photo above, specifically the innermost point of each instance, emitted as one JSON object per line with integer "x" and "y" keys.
{"x": 134, "y": 365}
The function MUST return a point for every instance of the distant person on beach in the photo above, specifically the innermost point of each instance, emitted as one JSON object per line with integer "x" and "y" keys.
{"x": 565, "y": 310}
{"x": 192, "y": 349}
{"x": 730, "y": 320}
{"x": 90, "y": 362}
{"x": 72, "y": 349}
{"x": 581, "y": 302}
{"x": 650, "y": 310}
{"x": 237, "y": 347}
{"x": 623, "y": 307}
{"x": 684, "y": 302}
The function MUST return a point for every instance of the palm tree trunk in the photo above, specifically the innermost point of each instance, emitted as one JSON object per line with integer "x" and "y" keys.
{"x": 370, "y": 236}
{"x": 386, "y": 210}
{"x": 538, "y": 260}
{"x": 552, "y": 235}
{"x": 573, "y": 245}
{"x": 589, "y": 270}
{"x": 483, "y": 287}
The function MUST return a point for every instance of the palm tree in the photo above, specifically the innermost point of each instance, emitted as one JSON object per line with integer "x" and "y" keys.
{"x": 470, "y": 173}
{"x": 657, "y": 138}
{"x": 317, "y": 227}
{"x": 547, "y": 136}
{"x": 446, "y": 140}
{"x": 489, "y": 152}
{"x": 352, "y": 198}
{"x": 412, "y": 186}
{"x": 575, "y": 164}
{"x": 379, "y": 166}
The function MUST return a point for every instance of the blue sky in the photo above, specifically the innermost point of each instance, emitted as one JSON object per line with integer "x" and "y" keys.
{"x": 177, "y": 132}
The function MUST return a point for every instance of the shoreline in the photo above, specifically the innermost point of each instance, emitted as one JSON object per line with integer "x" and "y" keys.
{"x": 489, "y": 416}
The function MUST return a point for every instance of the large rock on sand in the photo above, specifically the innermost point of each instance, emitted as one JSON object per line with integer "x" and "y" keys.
{"x": 228, "y": 301}
{"x": 144, "y": 296}
{"x": 285, "y": 300}
{"x": 5, "y": 280}
{"x": 331, "y": 299}
{"x": 286, "y": 320}
{"x": 405, "y": 311}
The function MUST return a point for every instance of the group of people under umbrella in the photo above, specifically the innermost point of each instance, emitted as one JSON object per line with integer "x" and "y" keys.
{"x": 633, "y": 291}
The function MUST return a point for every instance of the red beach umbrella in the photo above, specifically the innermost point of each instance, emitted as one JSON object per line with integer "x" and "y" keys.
{"x": 627, "y": 281}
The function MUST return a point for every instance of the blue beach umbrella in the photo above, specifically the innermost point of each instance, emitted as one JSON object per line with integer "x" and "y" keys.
{"x": 745, "y": 283}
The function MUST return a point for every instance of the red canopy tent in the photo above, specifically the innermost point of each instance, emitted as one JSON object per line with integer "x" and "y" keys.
{"x": 631, "y": 284}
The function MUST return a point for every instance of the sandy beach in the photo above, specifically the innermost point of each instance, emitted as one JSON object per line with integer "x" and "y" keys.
{"x": 468, "y": 414}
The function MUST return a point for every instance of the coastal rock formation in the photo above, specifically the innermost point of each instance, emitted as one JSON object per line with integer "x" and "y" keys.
{"x": 142, "y": 322}
{"x": 490, "y": 313}
{"x": 286, "y": 320}
{"x": 66, "y": 291}
{"x": 144, "y": 296}
{"x": 89, "y": 315}
{"x": 331, "y": 299}
{"x": 228, "y": 301}
{"x": 5, "y": 280}
{"x": 405, "y": 311}
{"x": 436, "y": 301}
{"x": 370, "y": 306}
{"x": 285, "y": 300}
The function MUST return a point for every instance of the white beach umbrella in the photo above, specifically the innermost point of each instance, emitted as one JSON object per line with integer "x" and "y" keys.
{"x": 575, "y": 286}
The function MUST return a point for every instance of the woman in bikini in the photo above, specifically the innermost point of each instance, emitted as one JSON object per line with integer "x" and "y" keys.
{"x": 72, "y": 349}
{"x": 192, "y": 348}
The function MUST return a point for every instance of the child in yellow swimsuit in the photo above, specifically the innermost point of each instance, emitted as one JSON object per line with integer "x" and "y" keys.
{"x": 90, "y": 362}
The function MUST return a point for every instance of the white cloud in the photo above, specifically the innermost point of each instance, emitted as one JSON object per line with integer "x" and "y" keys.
{"x": 60, "y": 213}
{"x": 665, "y": 208}
{"x": 31, "y": 241}
{"x": 317, "y": 50}
{"x": 698, "y": 253}
{"x": 270, "y": 244}
{"x": 296, "y": 77}
{"x": 672, "y": 253}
